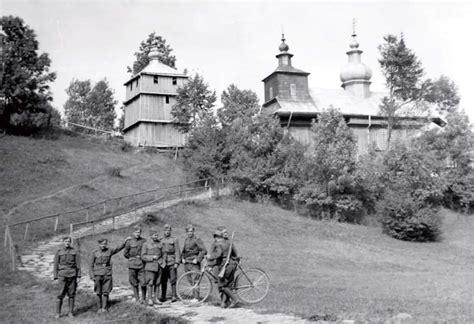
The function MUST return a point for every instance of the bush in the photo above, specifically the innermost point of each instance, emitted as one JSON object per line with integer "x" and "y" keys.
{"x": 114, "y": 172}
{"x": 459, "y": 193}
{"x": 405, "y": 219}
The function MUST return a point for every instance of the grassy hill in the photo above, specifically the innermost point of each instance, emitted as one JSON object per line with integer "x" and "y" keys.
{"x": 320, "y": 268}
{"x": 43, "y": 176}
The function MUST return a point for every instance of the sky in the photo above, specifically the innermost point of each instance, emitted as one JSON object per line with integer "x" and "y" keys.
{"x": 236, "y": 41}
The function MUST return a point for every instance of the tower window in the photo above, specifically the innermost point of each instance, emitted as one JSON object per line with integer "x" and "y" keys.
{"x": 131, "y": 86}
{"x": 167, "y": 99}
{"x": 175, "y": 80}
{"x": 270, "y": 93}
{"x": 136, "y": 84}
{"x": 293, "y": 90}
{"x": 155, "y": 79}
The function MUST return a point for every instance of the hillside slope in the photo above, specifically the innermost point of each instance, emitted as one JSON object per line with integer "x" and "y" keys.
{"x": 336, "y": 270}
{"x": 48, "y": 176}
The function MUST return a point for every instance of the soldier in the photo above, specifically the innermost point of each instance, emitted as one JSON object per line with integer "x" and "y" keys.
{"x": 67, "y": 268}
{"x": 101, "y": 271}
{"x": 136, "y": 270}
{"x": 192, "y": 254}
{"x": 152, "y": 255}
{"x": 225, "y": 281}
{"x": 171, "y": 259}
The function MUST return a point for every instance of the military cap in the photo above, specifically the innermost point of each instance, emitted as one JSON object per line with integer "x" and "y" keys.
{"x": 189, "y": 227}
{"x": 167, "y": 226}
{"x": 153, "y": 231}
{"x": 217, "y": 233}
{"x": 137, "y": 228}
{"x": 102, "y": 240}
{"x": 67, "y": 238}
{"x": 221, "y": 228}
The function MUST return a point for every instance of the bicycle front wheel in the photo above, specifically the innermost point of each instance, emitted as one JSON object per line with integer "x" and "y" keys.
{"x": 252, "y": 285}
{"x": 193, "y": 287}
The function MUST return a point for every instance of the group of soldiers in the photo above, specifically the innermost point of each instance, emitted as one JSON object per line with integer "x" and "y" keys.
{"x": 151, "y": 264}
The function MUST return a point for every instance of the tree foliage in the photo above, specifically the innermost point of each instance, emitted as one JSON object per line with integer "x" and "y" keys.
{"x": 25, "y": 78}
{"x": 237, "y": 104}
{"x": 91, "y": 106}
{"x": 141, "y": 57}
{"x": 331, "y": 188}
{"x": 194, "y": 103}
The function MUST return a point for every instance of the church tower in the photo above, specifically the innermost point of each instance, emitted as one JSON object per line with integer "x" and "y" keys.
{"x": 355, "y": 75}
{"x": 150, "y": 95}
{"x": 286, "y": 82}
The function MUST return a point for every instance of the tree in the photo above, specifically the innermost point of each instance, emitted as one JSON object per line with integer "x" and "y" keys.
{"x": 443, "y": 92}
{"x": 24, "y": 89}
{"x": 237, "y": 104}
{"x": 193, "y": 103}
{"x": 402, "y": 71}
{"x": 94, "y": 107}
{"x": 141, "y": 57}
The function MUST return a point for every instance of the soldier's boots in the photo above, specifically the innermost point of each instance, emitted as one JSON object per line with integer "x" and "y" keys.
{"x": 156, "y": 300}
{"x": 105, "y": 306}
{"x": 99, "y": 303}
{"x": 143, "y": 299}
{"x": 135, "y": 294}
{"x": 59, "y": 305}
{"x": 230, "y": 295}
{"x": 164, "y": 286}
{"x": 71, "y": 307}
{"x": 174, "y": 297}
{"x": 150, "y": 295}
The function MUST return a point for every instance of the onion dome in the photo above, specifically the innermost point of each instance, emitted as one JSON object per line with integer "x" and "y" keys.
{"x": 283, "y": 46}
{"x": 355, "y": 69}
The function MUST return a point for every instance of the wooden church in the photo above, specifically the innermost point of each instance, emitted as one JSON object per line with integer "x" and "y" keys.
{"x": 288, "y": 95}
{"x": 150, "y": 94}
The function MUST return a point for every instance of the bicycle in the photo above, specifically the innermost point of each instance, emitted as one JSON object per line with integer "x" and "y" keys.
{"x": 195, "y": 287}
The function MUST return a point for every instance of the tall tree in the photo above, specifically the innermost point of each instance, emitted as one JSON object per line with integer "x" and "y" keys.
{"x": 94, "y": 107}
{"x": 237, "y": 104}
{"x": 25, "y": 76}
{"x": 442, "y": 92}
{"x": 141, "y": 57}
{"x": 193, "y": 103}
{"x": 403, "y": 72}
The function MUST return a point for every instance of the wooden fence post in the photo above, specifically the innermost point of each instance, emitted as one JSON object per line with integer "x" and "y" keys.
{"x": 113, "y": 222}
{"x": 7, "y": 230}
{"x": 26, "y": 231}
{"x": 87, "y": 214}
{"x": 105, "y": 208}
{"x": 120, "y": 202}
{"x": 93, "y": 227}
{"x": 56, "y": 223}
{"x": 12, "y": 252}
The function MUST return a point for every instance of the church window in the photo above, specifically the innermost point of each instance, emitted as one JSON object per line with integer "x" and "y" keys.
{"x": 131, "y": 86}
{"x": 270, "y": 93}
{"x": 155, "y": 79}
{"x": 293, "y": 90}
{"x": 167, "y": 99}
{"x": 175, "y": 80}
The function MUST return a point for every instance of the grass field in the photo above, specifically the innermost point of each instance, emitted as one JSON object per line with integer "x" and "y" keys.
{"x": 322, "y": 269}
{"x": 42, "y": 176}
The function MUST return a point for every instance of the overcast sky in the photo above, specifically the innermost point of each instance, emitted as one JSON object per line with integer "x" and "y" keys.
{"x": 236, "y": 42}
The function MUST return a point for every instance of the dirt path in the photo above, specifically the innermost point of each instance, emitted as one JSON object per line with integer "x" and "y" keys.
{"x": 40, "y": 263}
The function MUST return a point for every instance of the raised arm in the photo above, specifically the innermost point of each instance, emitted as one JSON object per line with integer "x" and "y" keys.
{"x": 126, "y": 251}
{"x": 118, "y": 248}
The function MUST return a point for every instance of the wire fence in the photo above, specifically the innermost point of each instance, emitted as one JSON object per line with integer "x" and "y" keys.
{"x": 90, "y": 216}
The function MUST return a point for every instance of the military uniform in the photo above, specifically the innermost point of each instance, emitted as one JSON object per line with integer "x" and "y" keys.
{"x": 193, "y": 249}
{"x": 136, "y": 267}
{"x": 67, "y": 268}
{"x": 218, "y": 256}
{"x": 101, "y": 272}
{"x": 152, "y": 255}
{"x": 171, "y": 258}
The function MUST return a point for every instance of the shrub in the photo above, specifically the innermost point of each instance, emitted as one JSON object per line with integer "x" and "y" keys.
{"x": 114, "y": 172}
{"x": 459, "y": 193}
{"x": 405, "y": 219}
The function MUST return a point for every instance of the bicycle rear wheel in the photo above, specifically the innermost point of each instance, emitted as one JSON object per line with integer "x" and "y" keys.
{"x": 193, "y": 287}
{"x": 252, "y": 285}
